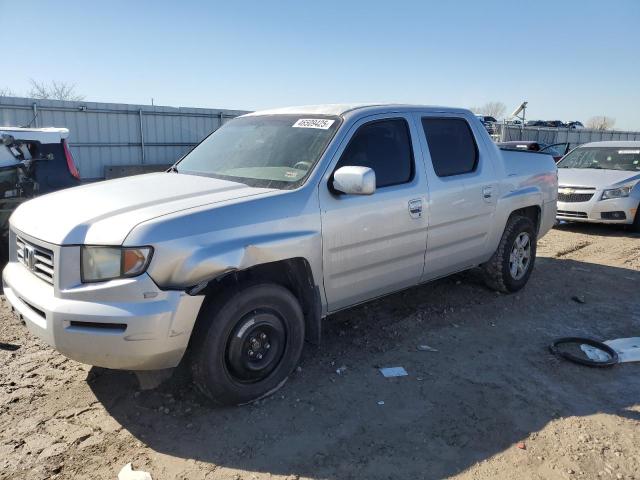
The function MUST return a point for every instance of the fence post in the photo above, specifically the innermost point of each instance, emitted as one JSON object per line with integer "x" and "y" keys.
{"x": 141, "y": 136}
{"x": 34, "y": 107}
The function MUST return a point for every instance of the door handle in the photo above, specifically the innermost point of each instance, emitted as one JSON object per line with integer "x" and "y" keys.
{"x": 487, "y": 192}
{"x": 415, "y": 208}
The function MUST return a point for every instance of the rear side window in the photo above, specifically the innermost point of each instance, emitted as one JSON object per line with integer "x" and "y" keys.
{"x": 451, "y": 144}
{"x": 385, "y": 147}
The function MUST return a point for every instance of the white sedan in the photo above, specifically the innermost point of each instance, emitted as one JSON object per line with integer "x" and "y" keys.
{"x": 600, "y": 182}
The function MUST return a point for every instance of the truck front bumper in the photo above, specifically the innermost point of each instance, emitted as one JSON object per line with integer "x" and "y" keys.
{"x": 149, "y": 330}
{"x": 617, "y": 210}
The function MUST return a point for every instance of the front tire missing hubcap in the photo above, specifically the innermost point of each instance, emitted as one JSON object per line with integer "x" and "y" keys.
{"x": 264, "y": 319}
{"x": 255, "y": 346}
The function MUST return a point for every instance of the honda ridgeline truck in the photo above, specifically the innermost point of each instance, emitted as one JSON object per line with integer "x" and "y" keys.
{"x": 273, "y": 222}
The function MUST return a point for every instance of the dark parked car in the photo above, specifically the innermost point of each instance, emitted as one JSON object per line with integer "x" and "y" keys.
{"x": 489, "y": 122}
{"x": 33, "y": 161}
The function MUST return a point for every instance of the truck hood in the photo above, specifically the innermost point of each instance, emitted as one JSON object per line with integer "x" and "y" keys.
{"x": 104, "y": 213}
{"x": 594, "y": 177}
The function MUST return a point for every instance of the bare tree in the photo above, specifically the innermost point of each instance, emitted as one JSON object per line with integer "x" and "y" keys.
{"x": 6, "y": 92}
{"x": 54, "y": 90}
{"x": 601, "y": 123}
{"x": 493, "y": 109}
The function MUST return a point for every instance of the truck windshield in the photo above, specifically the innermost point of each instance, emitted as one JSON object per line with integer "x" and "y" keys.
{"x": 272, "y": 151}
{"x": 608, "y": 158}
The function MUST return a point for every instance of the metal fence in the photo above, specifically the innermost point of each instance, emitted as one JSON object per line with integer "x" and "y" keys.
{"x": 110, "y": 134}
{"x": 562, "y": 135}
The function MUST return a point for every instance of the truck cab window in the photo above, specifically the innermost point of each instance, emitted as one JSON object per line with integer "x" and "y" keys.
{"x": 385, "y": 147}
{"x": 451, "y": 145}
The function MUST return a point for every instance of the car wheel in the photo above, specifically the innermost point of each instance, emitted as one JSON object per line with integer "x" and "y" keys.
{"x": 510, "y": 267}
{"x": 635, "y": 226}
{"x": 245, "y": 347}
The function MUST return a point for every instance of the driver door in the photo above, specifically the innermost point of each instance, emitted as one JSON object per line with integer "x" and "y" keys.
{"x": 375, "y": 244}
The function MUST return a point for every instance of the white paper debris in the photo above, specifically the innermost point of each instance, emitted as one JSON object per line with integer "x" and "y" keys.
{"x": 628, "y": 350}
{"x": 394, "y": 372}
{"x": 426, "y": 348}
{"x": 128, "y": 473}
{"x": 380, "y": 402}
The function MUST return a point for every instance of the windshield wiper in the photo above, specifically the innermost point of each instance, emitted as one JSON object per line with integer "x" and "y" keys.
{"x": 173, "y": 169}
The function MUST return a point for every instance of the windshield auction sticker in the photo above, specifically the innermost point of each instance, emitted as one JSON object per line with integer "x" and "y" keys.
{"x": 628, "y": 152}
{"x": 321, "y": 123}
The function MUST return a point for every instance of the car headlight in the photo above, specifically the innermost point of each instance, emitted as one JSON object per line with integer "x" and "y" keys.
{"x": 106, "y": 263}
{"x": 619, "y": 192}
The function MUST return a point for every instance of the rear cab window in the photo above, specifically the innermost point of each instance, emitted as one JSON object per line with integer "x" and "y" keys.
{"x": 452, "y": 145}
{"x": 385, "y": 147}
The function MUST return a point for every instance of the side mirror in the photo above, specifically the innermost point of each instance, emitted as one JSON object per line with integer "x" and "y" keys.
{"x": 355, "y": 180}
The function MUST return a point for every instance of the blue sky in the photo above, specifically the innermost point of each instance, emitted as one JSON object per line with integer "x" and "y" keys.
{"x": 569, "y": 59}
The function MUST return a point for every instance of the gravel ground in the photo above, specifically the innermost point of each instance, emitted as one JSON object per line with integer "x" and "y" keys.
{"x": 491, "y": 402}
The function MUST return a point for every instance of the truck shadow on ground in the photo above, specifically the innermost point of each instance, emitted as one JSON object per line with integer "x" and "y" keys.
{"x": 491, "y": 383}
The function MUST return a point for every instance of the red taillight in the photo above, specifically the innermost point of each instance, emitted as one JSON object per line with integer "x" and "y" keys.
{"x": 73, "y": 170}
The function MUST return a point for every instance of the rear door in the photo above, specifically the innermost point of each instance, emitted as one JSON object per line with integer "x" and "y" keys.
{"x": 462, "y": 189}
{"x": 375, "y": 244}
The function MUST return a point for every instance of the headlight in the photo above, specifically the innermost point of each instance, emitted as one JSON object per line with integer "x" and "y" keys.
{"x": 616, "y": 192}
{"x": 106, "y": 263}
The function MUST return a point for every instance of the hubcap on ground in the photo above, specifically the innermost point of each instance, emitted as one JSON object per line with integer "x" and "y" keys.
{"x": 520, "y": 256}
{"x": 255, "y": 346}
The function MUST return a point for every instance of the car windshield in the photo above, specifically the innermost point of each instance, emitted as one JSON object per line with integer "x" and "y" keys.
{"x": 609, "y": 158}
{"x": 271, "y": 151}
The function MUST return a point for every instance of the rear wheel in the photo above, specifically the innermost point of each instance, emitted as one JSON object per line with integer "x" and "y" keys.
{"x": 510, "y": 267}
{"x": 246, "y": 346}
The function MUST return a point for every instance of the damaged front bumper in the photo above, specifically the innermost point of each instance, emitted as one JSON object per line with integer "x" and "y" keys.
{"x": 122, "y": 324}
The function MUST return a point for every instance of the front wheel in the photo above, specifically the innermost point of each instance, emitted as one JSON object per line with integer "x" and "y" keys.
{"x": 245, "y": 346}
{"x": 510, "y": 267}
{"x": 635, "y": 226}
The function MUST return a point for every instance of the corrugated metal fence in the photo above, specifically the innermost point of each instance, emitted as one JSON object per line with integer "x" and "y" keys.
{"x": 107, "y": 134}
{"x": 563, "y": 135}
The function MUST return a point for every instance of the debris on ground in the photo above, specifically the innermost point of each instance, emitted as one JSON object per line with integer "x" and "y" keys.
{"x": 426, "y": 348}
{"x": 9, "y": 347}
{"x": 521, "y": 446}
{"x": 628, "y": 350}
{"x": 341, "y": 370}
{"x": 579, "y": 299}
{"x": 380, "y": 402}
{"x": 393, "y": 372}
{"x": 609, "y": 356}
{"x": 128, "y": 473}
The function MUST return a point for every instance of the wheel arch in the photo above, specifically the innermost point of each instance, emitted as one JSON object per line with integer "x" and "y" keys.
{"x": 532, "y": 212}
{"x": 295, "y": 274}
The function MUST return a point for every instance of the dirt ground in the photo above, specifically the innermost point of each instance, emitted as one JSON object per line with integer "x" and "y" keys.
{"x": 492, "y": 402}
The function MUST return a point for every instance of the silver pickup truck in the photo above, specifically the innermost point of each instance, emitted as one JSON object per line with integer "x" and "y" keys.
{"x": 236, "y": 254}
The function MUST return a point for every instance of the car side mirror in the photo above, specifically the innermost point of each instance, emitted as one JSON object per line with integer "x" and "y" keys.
{"x": 355, "y": 180}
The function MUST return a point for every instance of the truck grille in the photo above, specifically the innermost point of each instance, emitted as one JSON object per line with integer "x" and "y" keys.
{"x": 37, "y": 259}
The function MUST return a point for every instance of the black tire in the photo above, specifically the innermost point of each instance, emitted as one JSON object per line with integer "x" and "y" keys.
{"x": 497, "y": 271}
{"x": 635, "y": 226}
{"x": 220, "y": 364}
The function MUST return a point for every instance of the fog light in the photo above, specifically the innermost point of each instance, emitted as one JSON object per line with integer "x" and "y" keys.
{"x": 613, "y": 215}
